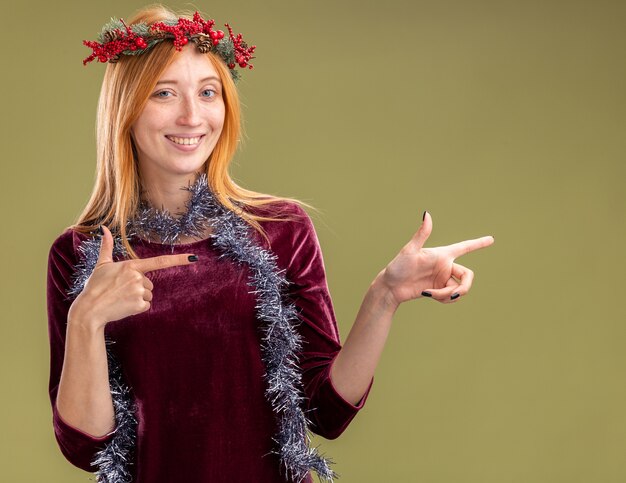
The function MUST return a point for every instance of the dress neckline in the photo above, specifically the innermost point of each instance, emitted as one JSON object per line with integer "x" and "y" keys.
{"x": 179, "y": 245}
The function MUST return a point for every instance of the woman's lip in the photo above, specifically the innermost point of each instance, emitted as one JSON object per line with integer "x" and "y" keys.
{"x": 194, "y": 135}
{"x": 186, "y": 147}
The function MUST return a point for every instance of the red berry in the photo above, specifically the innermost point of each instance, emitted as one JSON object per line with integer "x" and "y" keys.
{"x": 220, "y": 34}
{"x": 242, "y": 64}
{"x": 102, "y": 58}
{"x": 133, "y": 47}
{"x": 184, "y": 40}
{"x": 231, "y": 65}
{"x": 214, "y": 35}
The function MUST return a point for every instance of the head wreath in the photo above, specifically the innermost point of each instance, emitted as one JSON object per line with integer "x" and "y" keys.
{"x": 117, "y": 38}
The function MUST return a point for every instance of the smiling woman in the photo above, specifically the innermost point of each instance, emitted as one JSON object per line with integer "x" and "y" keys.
{"x": 212, "y": 362}
{"x": 163, "y": 372}
{"x": 179, "y": 127}
{"x": 176, "y": 89}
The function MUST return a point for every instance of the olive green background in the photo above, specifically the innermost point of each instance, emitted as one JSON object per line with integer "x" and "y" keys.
{"x": 502, "y": 118}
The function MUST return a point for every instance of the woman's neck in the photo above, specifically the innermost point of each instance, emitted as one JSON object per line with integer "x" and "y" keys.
{"x": 175, "y": 196}
{"x": 168, "y": 194}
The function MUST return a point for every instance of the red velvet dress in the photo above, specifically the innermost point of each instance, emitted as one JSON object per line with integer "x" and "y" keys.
{"x": 194, "y": 364}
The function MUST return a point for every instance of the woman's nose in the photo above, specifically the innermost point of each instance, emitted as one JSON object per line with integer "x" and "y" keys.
{"x": 189, "y": 113}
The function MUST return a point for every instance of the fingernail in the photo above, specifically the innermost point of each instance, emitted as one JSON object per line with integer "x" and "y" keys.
{"x": 424, "y": 216}
{"x": 192, "y": 258}
{"x": 455, "y": 296}
{"x": 427, "y": 294}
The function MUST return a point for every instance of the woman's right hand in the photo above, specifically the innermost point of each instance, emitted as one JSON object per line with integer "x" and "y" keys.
{"x": 115, "y": 290}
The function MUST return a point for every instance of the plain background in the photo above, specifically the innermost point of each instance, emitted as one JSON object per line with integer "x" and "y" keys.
{"x": 501, "y": 118}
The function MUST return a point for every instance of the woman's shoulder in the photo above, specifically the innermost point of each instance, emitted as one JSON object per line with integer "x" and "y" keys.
{"x": 293, "y": 239}
{"x": 68, "y": 242}
{"x": 290, "y": 219}
{"x": 281, "y": 208}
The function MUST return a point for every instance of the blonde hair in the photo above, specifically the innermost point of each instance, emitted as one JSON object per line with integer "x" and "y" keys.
{"x": 126, "y": 87}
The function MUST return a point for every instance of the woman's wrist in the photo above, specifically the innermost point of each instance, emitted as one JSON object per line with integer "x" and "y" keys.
{"x": 381, "y": 293}
{"x": 84, "y": 319}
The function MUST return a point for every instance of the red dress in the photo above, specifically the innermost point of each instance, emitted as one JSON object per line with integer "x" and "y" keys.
{"x": 193, "y": 360}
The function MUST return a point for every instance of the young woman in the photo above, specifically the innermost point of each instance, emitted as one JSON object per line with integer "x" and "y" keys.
{"x": 192, "y": 334}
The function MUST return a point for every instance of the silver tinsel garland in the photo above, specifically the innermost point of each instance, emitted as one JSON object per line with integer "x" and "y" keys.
{"x": 280, "y": 340}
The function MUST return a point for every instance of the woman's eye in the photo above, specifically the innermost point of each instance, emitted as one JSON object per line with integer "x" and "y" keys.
{"x": 158, "y": 94}
{"x": 209, "y": 90}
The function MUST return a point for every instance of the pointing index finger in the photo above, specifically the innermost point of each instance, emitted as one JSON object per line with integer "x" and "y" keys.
{"x": 467, "y": 246}
{"x": 163, "y": 261}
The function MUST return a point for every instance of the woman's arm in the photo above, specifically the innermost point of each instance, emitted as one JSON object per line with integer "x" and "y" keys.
{"x": 415, "y": 272}
{"x": 83, "y": 412}
{"x": 354, "y": 366}
{"x": 78, "y": 367}
{"x": 84, "y": 396}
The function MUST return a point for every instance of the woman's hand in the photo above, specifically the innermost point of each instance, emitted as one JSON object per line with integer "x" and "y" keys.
{"x": 115, "y": 290}
{"x": 431, "y": 272}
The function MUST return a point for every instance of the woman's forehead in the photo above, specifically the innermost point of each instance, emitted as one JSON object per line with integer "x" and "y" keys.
{"x": 189, "y": 65}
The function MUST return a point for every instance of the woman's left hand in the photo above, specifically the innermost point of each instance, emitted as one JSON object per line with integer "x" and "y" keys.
{"x": 417, "y": 271}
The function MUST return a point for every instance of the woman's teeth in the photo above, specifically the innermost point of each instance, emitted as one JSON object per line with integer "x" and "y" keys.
{"x": 184, "y": 140}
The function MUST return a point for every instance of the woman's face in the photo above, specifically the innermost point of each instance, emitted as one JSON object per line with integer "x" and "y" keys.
{"x": 182, "y": 119}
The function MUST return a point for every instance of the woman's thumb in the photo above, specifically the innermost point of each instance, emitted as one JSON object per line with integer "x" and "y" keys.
{"x": 422, "y": 234}
{"x": 106, "y": 246}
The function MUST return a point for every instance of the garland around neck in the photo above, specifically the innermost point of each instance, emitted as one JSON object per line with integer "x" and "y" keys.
{"x": 280, "y": 341}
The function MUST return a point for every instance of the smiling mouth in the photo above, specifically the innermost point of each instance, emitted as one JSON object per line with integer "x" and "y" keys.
{"x": 185, "y": 141}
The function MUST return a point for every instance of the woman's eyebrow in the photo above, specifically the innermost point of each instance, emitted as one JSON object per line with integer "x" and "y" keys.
{"x": 200, "y": 82}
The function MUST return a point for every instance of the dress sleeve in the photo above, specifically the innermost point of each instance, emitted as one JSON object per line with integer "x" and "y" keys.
{"x": 77, "y": 446}
{"x": 327, "y": 410}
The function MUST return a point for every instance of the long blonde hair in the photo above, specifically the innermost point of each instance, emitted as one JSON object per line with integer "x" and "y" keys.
{"x": 126, "y": 87}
